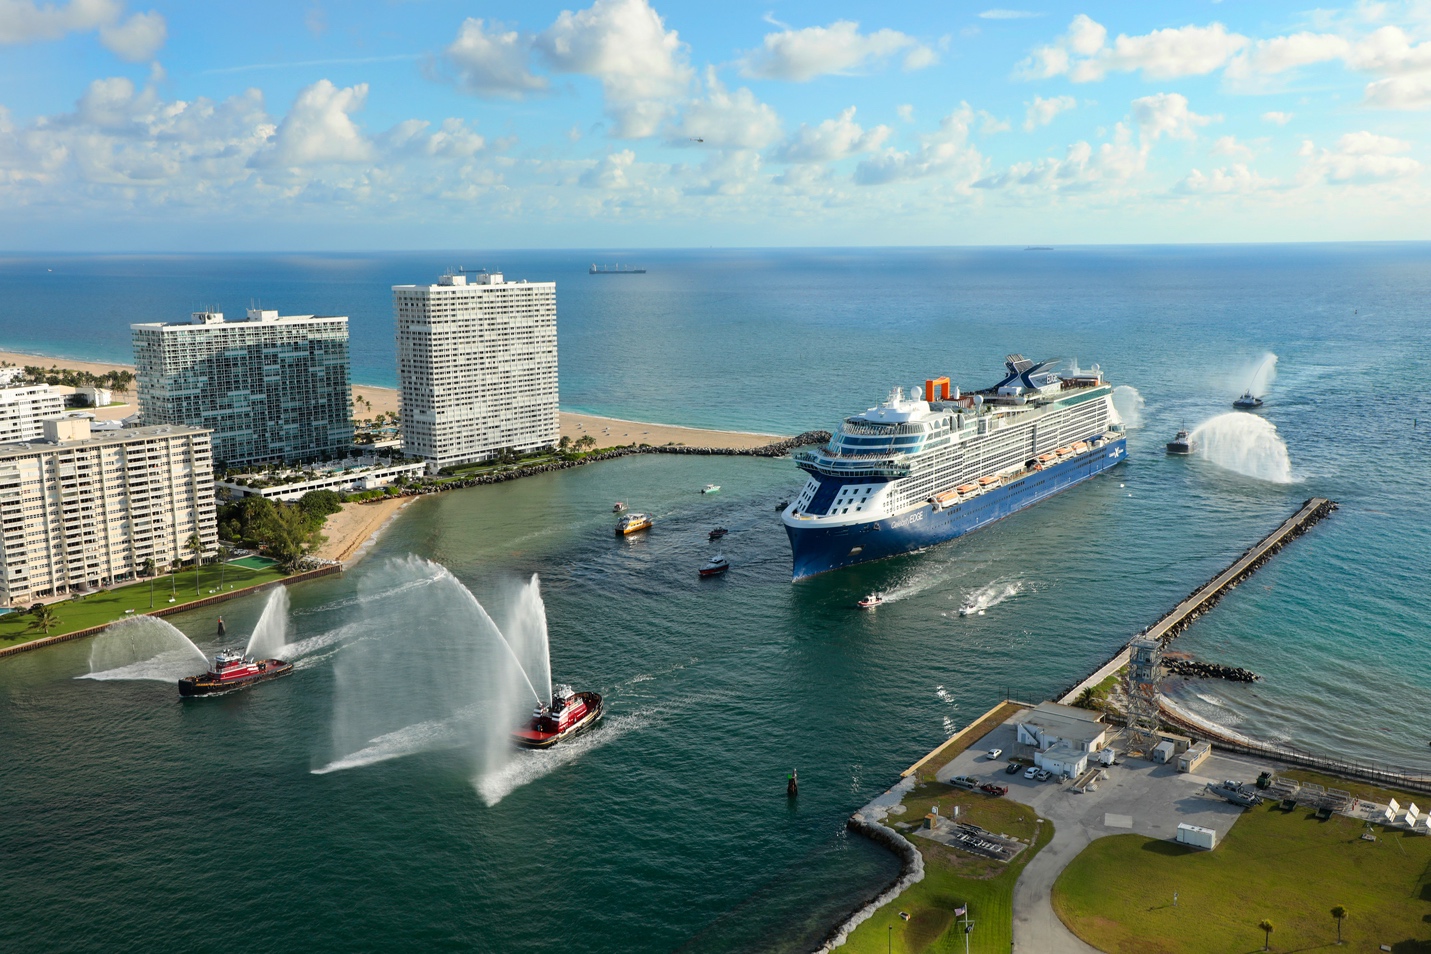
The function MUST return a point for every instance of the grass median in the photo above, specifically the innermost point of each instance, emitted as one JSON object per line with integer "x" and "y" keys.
{"x": 107, "y": 606}
{"x": 1287, "y": 867}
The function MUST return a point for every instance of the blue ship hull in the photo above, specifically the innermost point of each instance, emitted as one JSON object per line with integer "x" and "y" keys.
{"x": 818, "y": 549}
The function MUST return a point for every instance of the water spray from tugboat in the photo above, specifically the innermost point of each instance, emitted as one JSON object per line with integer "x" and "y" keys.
{"x": 144, "y": 647}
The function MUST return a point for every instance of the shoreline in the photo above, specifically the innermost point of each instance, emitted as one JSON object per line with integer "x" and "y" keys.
{"x": 377, "y": 400}
{"x": 357, "y": 527}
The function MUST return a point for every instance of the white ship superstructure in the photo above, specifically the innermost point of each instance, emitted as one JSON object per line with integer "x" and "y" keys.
{"x": 911, "y": 471}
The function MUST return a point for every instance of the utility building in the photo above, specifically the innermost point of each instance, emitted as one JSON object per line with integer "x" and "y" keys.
{"x": 477, "y": 359}
{"x": 271, "y": 387}
{"x": 1062, "y": 737}
{"x": 81, "y": 510}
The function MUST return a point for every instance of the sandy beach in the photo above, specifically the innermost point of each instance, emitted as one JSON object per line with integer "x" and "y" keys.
{"x": 369, "y": 401}
{"x": 354, "y": 525}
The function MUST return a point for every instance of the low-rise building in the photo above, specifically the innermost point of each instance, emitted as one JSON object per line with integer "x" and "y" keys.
{"x": 1195, "y": 755}
{"x": 348, "y": 477}
{"x": 1062, "y": 736}
{"x": 81, "y": 510}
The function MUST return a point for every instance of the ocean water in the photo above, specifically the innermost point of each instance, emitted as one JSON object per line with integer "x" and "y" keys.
{"x": 153, "y": 823}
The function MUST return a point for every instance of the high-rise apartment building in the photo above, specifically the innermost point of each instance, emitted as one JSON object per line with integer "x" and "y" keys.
{"x": 23, "y": 408}
{"x": 477, "y": 358}
{"x": 270, "y": 388}
{"x": 81, "y": 510}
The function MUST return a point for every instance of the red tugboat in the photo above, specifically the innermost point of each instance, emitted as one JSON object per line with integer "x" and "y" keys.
{"x": 233, "y": 670}
{"x": 570, "y": 712}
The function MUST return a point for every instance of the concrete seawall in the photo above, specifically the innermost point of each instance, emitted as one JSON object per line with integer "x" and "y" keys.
{"x": 171, "y": 610}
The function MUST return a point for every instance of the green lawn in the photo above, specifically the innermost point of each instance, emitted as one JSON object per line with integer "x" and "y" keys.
{"x": 1286, "y": 867}
{"x": 97, "y": 609}
{"x": 952, "y": 879}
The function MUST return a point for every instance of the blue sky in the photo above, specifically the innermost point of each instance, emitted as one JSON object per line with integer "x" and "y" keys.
{"x": 634, "y": 123}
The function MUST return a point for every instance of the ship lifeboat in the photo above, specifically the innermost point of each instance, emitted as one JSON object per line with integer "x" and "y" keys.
{"x": 1045, "y": 458}
{"x": 233, "y": 670}
{"x": 569, "y": 713}
{"x": 1064, "y": 451}
{"x": 940, "y": 501}
{"x": 987, "y": 482}
{"x": 966, "y": 488}
{"x": 1080, "y": 447}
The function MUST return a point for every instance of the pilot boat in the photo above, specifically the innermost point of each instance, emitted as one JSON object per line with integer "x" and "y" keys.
{"x": 715, "y": 566}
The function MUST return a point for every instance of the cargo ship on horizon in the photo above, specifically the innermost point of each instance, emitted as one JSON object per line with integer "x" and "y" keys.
{"x": 920, "y": 470}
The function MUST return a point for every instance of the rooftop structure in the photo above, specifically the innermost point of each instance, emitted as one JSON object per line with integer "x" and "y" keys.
{"x": 79, "y": 510}
{"x": 270, "y": 387}
{"x": 477, "y": 358}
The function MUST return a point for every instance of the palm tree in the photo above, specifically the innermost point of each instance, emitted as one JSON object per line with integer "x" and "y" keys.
{"x": 1339, "y": 912}
{"x": 45, "y": 618}
{"x": 195, "y": 546}
{"x": 225, "y": 552}
{"x": 1087, "y": 699}
{"x": 1266, "y": 927}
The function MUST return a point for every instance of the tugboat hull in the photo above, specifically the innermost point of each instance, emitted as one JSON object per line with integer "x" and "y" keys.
{"x": 530, "y": 738}
{"x": 206, "y": 685}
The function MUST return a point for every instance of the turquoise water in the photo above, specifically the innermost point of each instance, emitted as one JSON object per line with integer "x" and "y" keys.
{"x": 157, "y": 825}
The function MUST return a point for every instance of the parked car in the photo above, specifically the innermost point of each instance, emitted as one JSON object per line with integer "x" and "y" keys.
{"x": 1013, "y": 769}
{"x": 1044, "y": 776}
{"x": 1033, "y": 770}
{"x": 994, "y": 754}
{"x": 995, "y": 790}
{"x": 965, "y": 781}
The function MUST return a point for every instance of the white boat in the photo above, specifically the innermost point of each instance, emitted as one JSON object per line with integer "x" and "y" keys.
{"x": 871, "y": 601}
{"x": 710, "y": 488}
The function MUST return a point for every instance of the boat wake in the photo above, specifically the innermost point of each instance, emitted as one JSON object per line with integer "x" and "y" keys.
{"x": 987, "y": 597}
{"x": 1129, "y": 404}
{"x": 528, "y": 765}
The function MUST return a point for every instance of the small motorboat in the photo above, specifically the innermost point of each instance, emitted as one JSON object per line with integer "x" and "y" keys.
{"x": 1247, "y": 402}
{"x": 719, "y": 532}
{"x": 715, "y": 566}
{"x": 1182, "y": 444}
{"x": 871, "y": 601}
{"x": 782, "y": 505}
{"x": 570, "y": 712}
{"x": 970, "y": 609}
{"x": 233, "y": 670}
{"x": 618, "y": 507}
{"x": 710, "y": 488}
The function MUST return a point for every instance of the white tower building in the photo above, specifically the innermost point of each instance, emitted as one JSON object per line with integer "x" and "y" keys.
{"x": 24, "y": 406}
{"x": 477, "y": 359}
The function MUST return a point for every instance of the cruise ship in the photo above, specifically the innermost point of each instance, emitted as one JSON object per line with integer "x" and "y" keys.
{"x": 920, "y": 470}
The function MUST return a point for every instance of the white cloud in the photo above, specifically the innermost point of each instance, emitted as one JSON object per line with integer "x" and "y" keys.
{"x": 320, "y": 128}
{"x": 1108, "y": 167}
{"x": 831, "y": 140}
{"x": 1400, "y": 92}
{"x": 1167, "y": 114}
{"x": 728, "y": 120}
{"x": 802, "y": 55}
{"x": 1280, "y": 119}
{"x": 612, "y": 171}
{"x": 726, "y": 173}
{"x": 452, "y": 140}
{"x": 905, "y": 111}
{"x": 1229, "y": 146}
{"x": 623, "y": 43}
{"x": 1084, "y": 55}
{"x": 1281, "y": 53}
{"x": 945, "y": 153}
{"x": 1236, "y": 179}
{"x": 135, "y": 39}
{"x": 1001, "y": 14}
{"x": 1042, "y": 111}
{"x": 1359, "y": 158}
{"x": 491, "y": 61}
